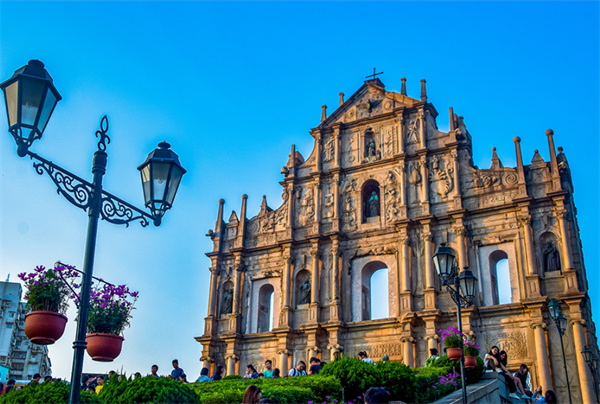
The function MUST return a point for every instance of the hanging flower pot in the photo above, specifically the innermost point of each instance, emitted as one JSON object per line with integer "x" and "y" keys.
{"x": 44, "y": 327}
{"x": 470, "y": 361}
{"x": 454, "y": 353}
{"x": 104, "y": 347}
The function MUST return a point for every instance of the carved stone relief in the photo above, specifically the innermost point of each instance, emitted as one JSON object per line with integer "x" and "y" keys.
{"x": 306, "y": 206}
{"x": 412, "y": 132}
{"x": 414, "y": 178}
{"x": 388, "y": 136}
{"x": 349, "y": 213}
{"x": 328, "y": 203}
{"x": 392, "y": 197}
{"x": 441, "y": 177}
{"x": 514, "y": 343}
{"x": 328, "y": 150}
{"x": 350, "y": 149}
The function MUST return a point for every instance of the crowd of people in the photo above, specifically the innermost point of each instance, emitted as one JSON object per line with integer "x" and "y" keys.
{"x": 519, "y": 382}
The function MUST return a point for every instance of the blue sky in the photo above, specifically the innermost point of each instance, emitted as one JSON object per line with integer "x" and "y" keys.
{"x": 231, "y": 85}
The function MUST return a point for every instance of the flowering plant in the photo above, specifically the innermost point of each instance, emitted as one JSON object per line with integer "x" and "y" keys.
{"x": 452, "y": 338}
{"x": 451, "y": 378}
{"x": 471, "y": 348}
{"x": 48, "y": 290}
{"x": 110, "y": 309}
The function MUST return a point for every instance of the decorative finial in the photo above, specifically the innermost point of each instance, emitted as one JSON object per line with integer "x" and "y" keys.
{"x": 341, "y": 99}
{"x": 517, "y": 139}
{"x": 324, "y": 113}
{"x": 244, "y": 196}
{"x": 403, "y": 89}
{"x": 549, "y": 132}
{"x": 560, "y": 149}
{"x": 423, "y": 91}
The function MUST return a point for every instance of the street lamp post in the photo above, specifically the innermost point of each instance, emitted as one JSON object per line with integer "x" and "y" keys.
{"x": 462, "y": 293}
{"x": 561, "y": 324}
{"x": 30, "y": 98}
{"x": 592, "y": 361}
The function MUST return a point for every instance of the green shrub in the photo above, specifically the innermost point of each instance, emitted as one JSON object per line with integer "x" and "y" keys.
{"x": 398, "y": 379}
{"x": 232, "y": 377}
{"x": 282, "y": 390}
{"x": 48, "y": 392}
{"x": 287, "y": 394}
{"x": 427, "y": 387}
{"x": 147, "y": 390}
{"x": 355, "y": 376}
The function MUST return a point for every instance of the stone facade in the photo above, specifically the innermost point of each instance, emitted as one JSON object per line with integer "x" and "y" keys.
{"x": 383, "y": 188}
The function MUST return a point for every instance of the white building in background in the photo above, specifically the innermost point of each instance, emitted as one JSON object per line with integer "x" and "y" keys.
{"x": 17, "y": 353}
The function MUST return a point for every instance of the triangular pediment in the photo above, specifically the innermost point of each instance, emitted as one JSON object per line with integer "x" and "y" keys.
{"x": 370, "y": 100}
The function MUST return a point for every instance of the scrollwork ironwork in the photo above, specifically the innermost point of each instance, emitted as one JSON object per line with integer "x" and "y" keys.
{"x": 102, "y": 133}
{"x": 75, "y": 189}
{"x": 117, "y": 211}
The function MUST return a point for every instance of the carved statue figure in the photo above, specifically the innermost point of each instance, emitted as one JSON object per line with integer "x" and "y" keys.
{"x": 305, "y": 292}
{"x": 227, "y": 302}
{"x": 373, "y": 205}
{"x": 551, "y": 258}
{"x": 371, "y": 148}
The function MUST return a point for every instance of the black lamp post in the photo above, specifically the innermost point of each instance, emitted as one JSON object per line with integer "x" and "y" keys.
{"x": 30, "y": 98}
{"x": 462, "y": 293}
{"x": 561, "y": 324}
{"x": 592, "y": 361}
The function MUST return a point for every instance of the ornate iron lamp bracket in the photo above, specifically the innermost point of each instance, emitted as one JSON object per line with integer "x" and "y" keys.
{"x": 79, "y": 192}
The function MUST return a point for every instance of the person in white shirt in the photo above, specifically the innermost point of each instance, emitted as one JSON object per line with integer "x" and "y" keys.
{"x": 362, "y": 355}
{"x": 300, "y": 370}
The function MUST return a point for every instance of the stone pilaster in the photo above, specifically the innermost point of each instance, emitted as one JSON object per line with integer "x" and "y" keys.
{"x": 424, "y": 185}
{"x": 531, "y": 273}
{"x": 334, "y": 308}
{"x": 314, "y": 309}
{"x": 585, "y": 376}
{"x": 405, "y": 293}
{"x": 541, "y": 352}
{"x": 567, "y": 259}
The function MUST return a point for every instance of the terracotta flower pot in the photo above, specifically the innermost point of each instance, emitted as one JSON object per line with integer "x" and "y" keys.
{"x": 470, "y": 361}
{"x": 454, "y": 353}
{"x": 44, "y": 327}
{"x": 104, "y": 347}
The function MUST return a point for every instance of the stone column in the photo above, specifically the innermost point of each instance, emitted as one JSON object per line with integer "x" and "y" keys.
{"x": 422, "y": 128}
{"x": 237, "y": 287}
{"x": 404, "y": 275}
{"x": 533, "y": 289}
{"x": 285, "y": 319}
{"x": 335, "y": 282}
{"x": 429, "y": 273}
{"x": 541, "y": 352}
{"x": 407, "y": 351}
{"x": 567, "y": 259}
{"x": 585, "y": 377}
{"x": 424, "y": 185}
{"x": 314, "y": 289}
{"x": 456, "y": 166}
{"x": 283, "y": 361}
{"x": 462, "y": 254}
{"x": 401, "y": 134}
{"x": 230, "y": 365}
{"x": 212, "y": 300}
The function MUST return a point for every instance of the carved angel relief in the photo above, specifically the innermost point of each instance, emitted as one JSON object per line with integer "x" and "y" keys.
{"x": 412, "y": 132}
{"x": 391, "y": 197}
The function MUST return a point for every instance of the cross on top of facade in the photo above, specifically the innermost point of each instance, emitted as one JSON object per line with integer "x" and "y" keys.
{"x": 374, "y": 74}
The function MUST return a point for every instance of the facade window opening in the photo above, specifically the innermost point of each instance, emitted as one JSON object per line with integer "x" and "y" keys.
{"x": 371, "y": 201}
{"x": 500, "y": 278}
{"x": 375, "y": 291}
{"x": 265, "y": 308}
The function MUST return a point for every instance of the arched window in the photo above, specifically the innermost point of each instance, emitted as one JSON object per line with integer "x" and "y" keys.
{"x": 303, "y": 287}
{"x": 500, "y": 277}
{"x": 374, "y": 293}
{"x": 227, "y": 298}
{"x": 265, "y": 308}
{"x": 371, "y": 201}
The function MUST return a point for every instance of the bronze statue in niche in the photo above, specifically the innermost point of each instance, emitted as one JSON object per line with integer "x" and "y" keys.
{"x": 551, "y": 258}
